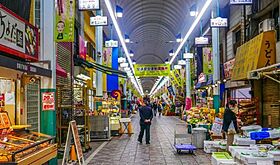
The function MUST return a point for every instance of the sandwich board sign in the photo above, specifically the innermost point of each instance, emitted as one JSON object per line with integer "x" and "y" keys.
{"x": 73, "y": 134}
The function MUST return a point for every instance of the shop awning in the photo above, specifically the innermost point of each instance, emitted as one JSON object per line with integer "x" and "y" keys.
{"x": 60, "y": 71}
{"x": 24, "y": 67}
{"x": 257, "y": 53}
{"x": 101, "y": 68}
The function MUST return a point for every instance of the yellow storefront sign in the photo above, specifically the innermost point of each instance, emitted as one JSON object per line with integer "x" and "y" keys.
{"x": 257, "y": 53}
{"x": 151, "y": 70}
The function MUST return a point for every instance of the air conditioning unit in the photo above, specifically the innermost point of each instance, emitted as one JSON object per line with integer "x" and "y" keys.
{"x": 266, "y": 25}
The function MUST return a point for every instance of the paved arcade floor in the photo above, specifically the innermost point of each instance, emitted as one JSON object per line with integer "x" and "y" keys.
{"x": 126, "y": 150}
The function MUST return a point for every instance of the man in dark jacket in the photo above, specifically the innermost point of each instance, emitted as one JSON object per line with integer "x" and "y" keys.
{"x": 146, "y": 116}
{"x": 230, "y": 116}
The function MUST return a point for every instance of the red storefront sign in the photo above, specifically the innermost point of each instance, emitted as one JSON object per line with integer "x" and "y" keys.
{"x": 82, "y": 48}
{"x": 228, "y": 68}
{"x": 17, "y": 36}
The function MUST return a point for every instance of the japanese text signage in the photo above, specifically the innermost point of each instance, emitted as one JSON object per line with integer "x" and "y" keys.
{"x": 241, "y": 2}
{"x": 65, "y": 21}
{"x": 48, "y": 101}
{"x": 17, "y": 37}
{"x": 218, "y": 22}
{"x": 152, "y": 70}
{"x": 228, "y": 67}
{"x": 257, "y": 53}
{"x": 99, "y": 21}
{"x": 201, "y": 41}
{"x": 111, "y": 44}
{"x": 89, "y": 4}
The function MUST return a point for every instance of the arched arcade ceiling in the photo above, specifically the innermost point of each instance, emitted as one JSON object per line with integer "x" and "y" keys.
{"x": 151, "y": 24}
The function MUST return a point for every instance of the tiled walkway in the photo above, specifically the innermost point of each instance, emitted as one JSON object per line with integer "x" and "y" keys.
{"x": 126, "y": 150}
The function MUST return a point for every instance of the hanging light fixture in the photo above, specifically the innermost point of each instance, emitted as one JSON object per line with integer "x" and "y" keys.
{"x": 179, "y": 37}
{"x": 133, "y": 62}
{"x": 166, "y": 61}
{"x": 126, "y": 38}
{"x": 171, "y": 52}
{"x": 193, "y": 11}
{"x": 119, "y": 11}
{"x": 131, "y": 53}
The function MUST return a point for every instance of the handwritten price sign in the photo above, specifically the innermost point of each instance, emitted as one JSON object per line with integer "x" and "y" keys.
{"x": 48, "y": 101}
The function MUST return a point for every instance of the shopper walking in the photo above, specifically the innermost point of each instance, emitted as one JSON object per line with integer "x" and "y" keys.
{"x": 155, "y": 108}
{"x": 230, "y": 117}
{"x": 146, "y": 116}
{"x": 160, "y": 108}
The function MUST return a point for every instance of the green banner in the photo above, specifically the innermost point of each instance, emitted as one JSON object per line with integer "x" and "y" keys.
{"x": 207, "y": 60}
{"x": 152, "y": 70}
{"x": 65, "y": 21}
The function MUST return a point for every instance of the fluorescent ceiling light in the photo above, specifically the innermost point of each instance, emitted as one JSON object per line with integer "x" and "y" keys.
{"x": 197, "y": 19}
{"x": 116, "y": 25}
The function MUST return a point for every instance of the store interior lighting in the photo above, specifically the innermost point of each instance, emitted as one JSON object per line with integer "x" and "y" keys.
{"x": 137, "y": 85}
{"x": 119, "y": 11}
{"x": 189, "y": 32}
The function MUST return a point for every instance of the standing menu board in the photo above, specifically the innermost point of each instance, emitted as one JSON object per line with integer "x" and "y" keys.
{"x": 73, "y": 133}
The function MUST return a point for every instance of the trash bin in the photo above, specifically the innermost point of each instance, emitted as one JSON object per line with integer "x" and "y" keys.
{"x": 198, "y": 137}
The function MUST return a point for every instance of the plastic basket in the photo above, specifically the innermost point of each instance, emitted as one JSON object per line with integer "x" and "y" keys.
{"x": 259, "y": 135}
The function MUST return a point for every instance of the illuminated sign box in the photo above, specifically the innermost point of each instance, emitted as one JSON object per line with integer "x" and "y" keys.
{"x": 111, "y": 44}
{"x": 89, "y": 4}
{"x": 218, "y": 22}
{"x": 241, "y": 2}
{"x": 99, "y": 21}
{"x": 201, "y": 41}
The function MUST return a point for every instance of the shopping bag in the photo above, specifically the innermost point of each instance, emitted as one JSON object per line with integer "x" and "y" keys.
{"x": 231, "y": 128}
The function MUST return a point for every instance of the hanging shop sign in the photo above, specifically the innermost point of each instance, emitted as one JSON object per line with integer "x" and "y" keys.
{"x": 170, "y": 90}
{"x": 82, "y": 48}
{"x": 207, "y": 60}
{"x": 89, "y": 4}
{"x": 228, "y": 68}
{"x": 152, "y": 70}
{"x": 99, "y": 21}
{"x": 241, "y": 2}
{"x": 65, "y": 21}
{"x": 188, "y": 55}
{"x": 116, "y": 94}
{"x": 48, "y": 99}
{"x": 18, "y": 37}
{"x": 24, "y": 67}
{"x": 111, "y": 44}
{"x": 201, "y": 41}
{"x": 257, "y": 53}
{"x": 219, "y": 22}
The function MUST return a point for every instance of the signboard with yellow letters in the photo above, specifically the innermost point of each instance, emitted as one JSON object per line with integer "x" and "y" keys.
{"x": 151, "y": 70}
{"x": 257, "y": 53}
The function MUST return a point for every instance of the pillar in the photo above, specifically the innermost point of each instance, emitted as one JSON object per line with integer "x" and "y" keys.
{"x": 48, "y": 118}
{"x": 188, "y": 74}
{"x": 216, "y": 56}
{"x": 99, "y": 45}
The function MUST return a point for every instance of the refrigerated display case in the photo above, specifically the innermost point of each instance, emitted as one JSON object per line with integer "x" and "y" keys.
{"x": 21, "y": 146}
